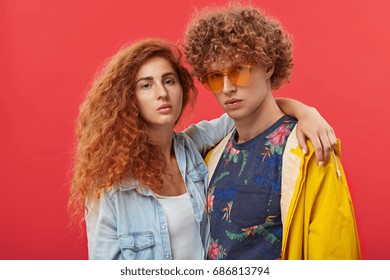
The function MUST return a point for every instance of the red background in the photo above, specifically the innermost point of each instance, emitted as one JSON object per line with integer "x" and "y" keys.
{"x": 50, "y": 51}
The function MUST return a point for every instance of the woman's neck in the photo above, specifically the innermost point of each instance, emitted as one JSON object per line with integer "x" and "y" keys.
{"x": 163, "y": 139}
{"x": 172, "y": 178}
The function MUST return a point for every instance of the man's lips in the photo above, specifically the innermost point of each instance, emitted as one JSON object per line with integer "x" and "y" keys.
{"x": 232, "y": 101}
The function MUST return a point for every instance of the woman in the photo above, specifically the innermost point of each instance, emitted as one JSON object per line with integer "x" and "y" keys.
{"x": 144, "y": 184}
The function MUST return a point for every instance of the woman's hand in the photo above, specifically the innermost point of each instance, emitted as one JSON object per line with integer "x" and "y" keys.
{"x": 311, "y": 125}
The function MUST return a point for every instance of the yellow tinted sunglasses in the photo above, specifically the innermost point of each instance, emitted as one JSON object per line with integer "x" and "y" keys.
{"x": 238, "y": 75}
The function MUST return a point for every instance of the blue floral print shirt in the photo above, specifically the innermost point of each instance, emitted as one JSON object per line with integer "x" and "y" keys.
{"x": 244, "y": 196}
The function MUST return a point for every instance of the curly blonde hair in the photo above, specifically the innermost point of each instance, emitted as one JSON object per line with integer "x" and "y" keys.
{"x": 113, "y": 144}
{"x": 241, "y": 33}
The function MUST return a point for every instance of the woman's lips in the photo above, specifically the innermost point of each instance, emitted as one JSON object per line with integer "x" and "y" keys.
{"x": 165, "y": 108}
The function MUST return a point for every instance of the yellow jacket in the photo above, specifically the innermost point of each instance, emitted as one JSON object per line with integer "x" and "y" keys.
{"x": 317, "y": 211}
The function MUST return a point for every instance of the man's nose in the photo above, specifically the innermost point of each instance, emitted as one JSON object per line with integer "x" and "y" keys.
{"x": 228, "y": 86}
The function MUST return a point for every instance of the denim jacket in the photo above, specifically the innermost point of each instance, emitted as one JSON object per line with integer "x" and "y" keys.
{"x": 127, "y": 222}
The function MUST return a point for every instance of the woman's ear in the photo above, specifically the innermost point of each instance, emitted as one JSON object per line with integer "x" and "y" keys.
{"x": 270, "y": 71}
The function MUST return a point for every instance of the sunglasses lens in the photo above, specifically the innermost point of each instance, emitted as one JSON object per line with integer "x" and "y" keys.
{"x": 239, "y": 75}
{"x": 213, "y": 81}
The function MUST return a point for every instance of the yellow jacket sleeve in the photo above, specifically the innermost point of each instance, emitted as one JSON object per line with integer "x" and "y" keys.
{"x": 320, "y": 222}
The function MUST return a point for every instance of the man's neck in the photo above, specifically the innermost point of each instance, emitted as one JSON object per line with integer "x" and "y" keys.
{"x": 257, "y": 122}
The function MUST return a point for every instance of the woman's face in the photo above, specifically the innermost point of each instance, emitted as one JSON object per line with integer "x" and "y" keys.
{"x": 159, "y": 93}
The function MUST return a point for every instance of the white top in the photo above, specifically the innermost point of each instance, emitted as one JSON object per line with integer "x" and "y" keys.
{"x": 184, "y": 233}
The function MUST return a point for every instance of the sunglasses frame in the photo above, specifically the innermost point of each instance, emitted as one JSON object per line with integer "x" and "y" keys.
{"x": 204, "y": 80}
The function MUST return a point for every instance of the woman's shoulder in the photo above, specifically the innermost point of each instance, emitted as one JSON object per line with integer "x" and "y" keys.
{"x": 185, "y": 143}
{"x": 120, "y": 186}
{"x": 183, "y": 139}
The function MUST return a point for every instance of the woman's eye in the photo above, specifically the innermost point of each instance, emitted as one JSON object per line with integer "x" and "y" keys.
{"x": 146, "y": 86}
{"x": 169, "y": 82}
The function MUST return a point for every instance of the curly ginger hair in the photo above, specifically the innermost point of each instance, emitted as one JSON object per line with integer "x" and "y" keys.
{"x": 113, "y": 144}
{"x": 243, "y": 34}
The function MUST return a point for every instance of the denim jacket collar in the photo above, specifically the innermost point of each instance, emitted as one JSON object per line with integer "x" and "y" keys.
{"x": 130, "y": 184}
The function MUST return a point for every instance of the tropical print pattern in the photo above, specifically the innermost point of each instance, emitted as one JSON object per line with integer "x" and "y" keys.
{"x": 244, "y": 196}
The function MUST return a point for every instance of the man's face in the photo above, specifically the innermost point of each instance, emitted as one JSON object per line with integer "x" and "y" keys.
{"x": 241, "y": 102}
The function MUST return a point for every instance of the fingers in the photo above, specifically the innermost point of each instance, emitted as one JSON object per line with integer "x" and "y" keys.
{"x": 326, "y": 146}
{"x": 323, "y": 145}
{"x": 328, "y": 140}
{"x": 332, "y": 137}
{"x": 312, "y": 126}
{"x": 302, "y": 142}
{"x": 318, "y": 150}
{"x": 323, "y": 141}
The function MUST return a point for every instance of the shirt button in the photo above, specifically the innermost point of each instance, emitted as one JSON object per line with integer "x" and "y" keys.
{"x": 163, "y": 227}
{"x": 167, "y": 256}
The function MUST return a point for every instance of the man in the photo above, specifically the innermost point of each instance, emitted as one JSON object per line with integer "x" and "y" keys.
{"x": 266, "y": 198}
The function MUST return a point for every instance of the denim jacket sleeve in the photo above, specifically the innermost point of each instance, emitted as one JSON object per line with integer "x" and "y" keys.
{"x": 206, "y": 134}
{"x": 102, "y": 230}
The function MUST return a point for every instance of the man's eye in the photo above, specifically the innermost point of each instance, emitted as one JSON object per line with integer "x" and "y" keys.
{"x": 237, "y": 69}
{"x": 215, "y": 75}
